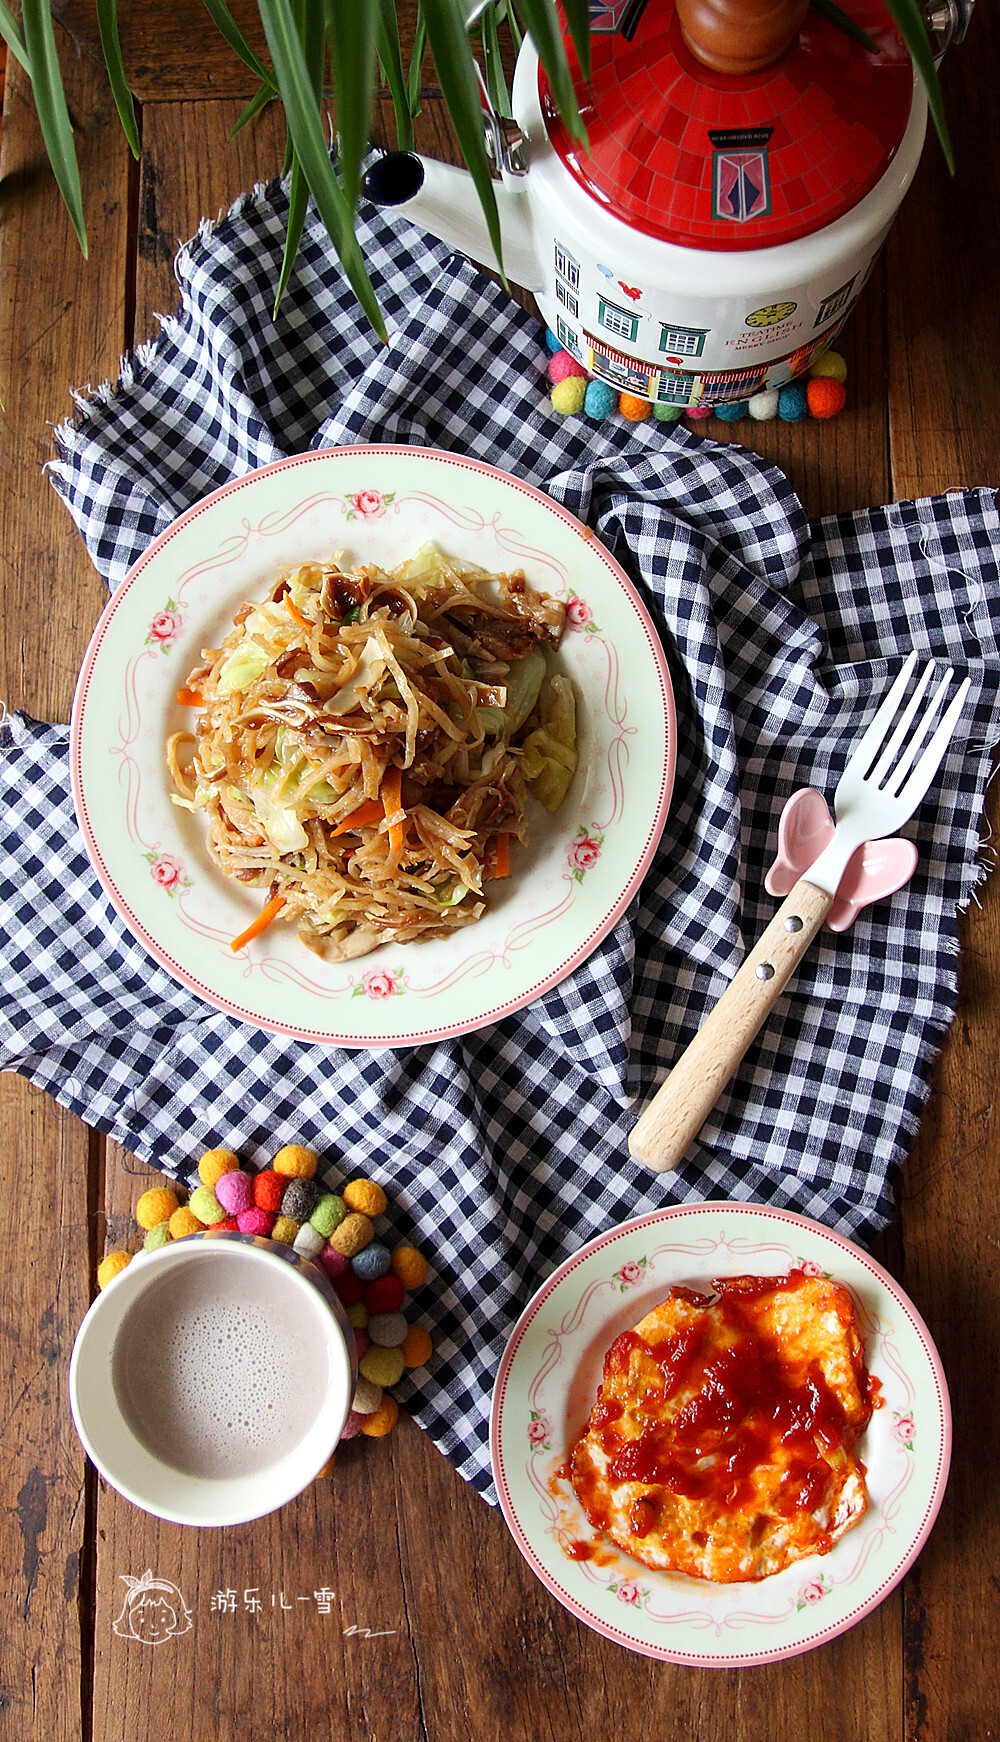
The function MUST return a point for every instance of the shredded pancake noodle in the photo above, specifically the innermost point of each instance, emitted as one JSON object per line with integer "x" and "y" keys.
{"x": 365, "y": 740}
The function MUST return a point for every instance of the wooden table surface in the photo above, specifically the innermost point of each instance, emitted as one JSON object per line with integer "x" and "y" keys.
{"x": 437, "y": 1631}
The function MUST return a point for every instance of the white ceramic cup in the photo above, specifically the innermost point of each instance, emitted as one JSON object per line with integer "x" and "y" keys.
{"x": 176, "y": 1494}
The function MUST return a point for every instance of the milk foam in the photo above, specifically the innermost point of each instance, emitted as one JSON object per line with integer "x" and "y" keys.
{"x": 218, "y": 1368}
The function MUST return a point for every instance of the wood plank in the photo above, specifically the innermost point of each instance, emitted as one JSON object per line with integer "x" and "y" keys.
{"x": 944, "y": 373}
{"x": 60, "y": 323}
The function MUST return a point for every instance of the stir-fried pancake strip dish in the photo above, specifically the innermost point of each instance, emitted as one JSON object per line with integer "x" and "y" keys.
{"x": 365, "y": 740}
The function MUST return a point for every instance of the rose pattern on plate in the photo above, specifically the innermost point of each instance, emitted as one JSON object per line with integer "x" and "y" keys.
{"x": 627, "y": 1591}
{"x": 904, "y": 1431}
{"x": 380, "y": 983}
{"x": 583, "y": 853}
{"x": 808, "y": 1268}
{"x": 165, "y": 627}
{"x": 630, "y": 1274}
{"x": 580, "y": 616}
{"x": 539, "y": 1432}
{"x": 167, "y": 871}
{"x": 368, "y": 504}
{"x": 813, "y": 1592}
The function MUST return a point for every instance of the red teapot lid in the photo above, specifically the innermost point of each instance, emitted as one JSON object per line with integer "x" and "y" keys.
{"x": 716, "y": 160}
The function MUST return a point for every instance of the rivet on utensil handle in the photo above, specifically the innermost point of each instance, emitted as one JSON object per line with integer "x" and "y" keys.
{"x": 679, "y": 1109}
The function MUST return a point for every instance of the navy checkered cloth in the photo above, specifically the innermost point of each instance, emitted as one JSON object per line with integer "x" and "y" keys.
{"x": 504, "y": 1152}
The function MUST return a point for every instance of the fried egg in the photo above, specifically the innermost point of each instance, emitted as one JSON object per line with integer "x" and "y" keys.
{"x": 722, "y": 1441}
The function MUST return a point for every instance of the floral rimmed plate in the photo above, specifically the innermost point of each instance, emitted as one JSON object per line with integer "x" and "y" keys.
{"x": 567, "y": 889}
{"x": 547, "y": 1383}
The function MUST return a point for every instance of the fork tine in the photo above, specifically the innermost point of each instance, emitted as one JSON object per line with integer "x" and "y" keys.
{"x": 888, "y": 757}
{"x": 896, "y": 776}
{"x": 930, "y": 761}
{"x": 873, "y": 739}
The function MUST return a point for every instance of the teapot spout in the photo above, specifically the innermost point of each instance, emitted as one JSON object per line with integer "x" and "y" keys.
{"x": 444, "y": 200}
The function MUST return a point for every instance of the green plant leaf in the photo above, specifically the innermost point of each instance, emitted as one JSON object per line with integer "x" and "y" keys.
{"x": 456, "y": 70}
{"x": 353, "y": 26}
{"x": 541, "y": 21}
{"x": 910, "y": 24}
{"x": 53, "y": 115}
{"x": 223, "y": 19}
{"x": 10, "y": 30}
{"x": 830, "y": 10}
{"x": 391, "y": 59}
{"x": 263, "y": 95}
{"x": 512, "y": 25}
{"x": 306, "y": 130}
{"x": 107, "y": 23}
{"x": 413, "y": 77}
{"x": 578, "y": 18}
{"x": 297, "y": 207}
{"x": 496, "y": 79}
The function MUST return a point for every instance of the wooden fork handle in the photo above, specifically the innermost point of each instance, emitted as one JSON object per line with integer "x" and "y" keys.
{"x": 681, "y": 1105}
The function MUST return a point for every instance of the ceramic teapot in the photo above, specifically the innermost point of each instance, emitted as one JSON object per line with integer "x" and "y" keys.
{"x": 747, "y": 158}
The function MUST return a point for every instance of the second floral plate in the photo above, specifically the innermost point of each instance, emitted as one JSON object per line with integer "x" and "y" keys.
{"x": 568, "y": 888}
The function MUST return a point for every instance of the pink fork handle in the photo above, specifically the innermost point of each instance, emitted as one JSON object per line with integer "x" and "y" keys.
{"x": 681, "y": 1105}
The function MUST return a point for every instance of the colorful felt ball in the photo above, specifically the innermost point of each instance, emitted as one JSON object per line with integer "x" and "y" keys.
{"x": 299, "y": 1199}
{"x": 387, "y": 1330}
{"x": 112, "y": 1265}
{"x": 410, "y": 1266}
{"x": 352, "y": 1426}
{"x": 384, "y": 1295}
{"x": 373, "y": 1262}
{"x": 182, "y": 1223}
{"x": 382, "y": 1366}
{"x": 295, "y": 1162}
{"x": 825, "y": 396}
{"x": 668, "y": 413}
{"x": 228, "y": 1225}
{"x": 308, "y": 1243}
{"x": 734, "y": 411}
{"x": 284, "y": 1230}
{"x": 254, "y": 1221}
{"x": 155, "y": 1206}
{"x": 563, "y": 364}
{"x": 204, "y": 1204}
{"x": 600, "y": 400}
{"x": 382, "y": 1420}
{"x": 268, "y": 1190}
{"x": 328, "y": 1213}
{"x": 363, "y": 1342}
{"x": 551, "y": 341}
{"x": 568, "y": 395}
{"x": 831, "y": 365}
{"x": 793, "y": 405}
{"x": 416, "y": 1347}
{"x": 357, "y": 1316}
{"x": 366, "y": 1197}
{"x": 335, "y": 1263}
{"x": 234, "y": 1191}
{"x": 214, "y": 1163}
{"x": 697, "y": 411}
{"x": 764, "y": 406}
{"x": 352, "y": 1235}
{"x": 634, "y": 409}
{"x": 366, "y": 1397}
{"x": 349, "y": 1287}
{"x": 157, "y": 1237}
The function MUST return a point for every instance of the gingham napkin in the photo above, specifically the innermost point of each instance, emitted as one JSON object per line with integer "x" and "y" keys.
{"x": 504, "y": 1152}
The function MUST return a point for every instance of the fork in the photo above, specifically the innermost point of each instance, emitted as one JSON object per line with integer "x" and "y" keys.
{"x": 881, "y": 787}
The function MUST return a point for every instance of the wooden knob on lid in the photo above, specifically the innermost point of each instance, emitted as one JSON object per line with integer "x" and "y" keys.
{"x": 740, "y": 36}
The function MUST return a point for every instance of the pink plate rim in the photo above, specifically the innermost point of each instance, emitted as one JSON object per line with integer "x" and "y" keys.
{"x": 720, "y": 1660}
{"x": 428, "y": 1035}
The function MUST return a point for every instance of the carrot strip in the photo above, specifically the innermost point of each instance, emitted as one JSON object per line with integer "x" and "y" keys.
{"x": 190, "y": 698}
{"x": 502, "y": 868}
{"x": 269, "y": 911}
{"x": 369, "y": 812}
{"x": 296, "y": 614}
{"x": 392, "y": 799}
